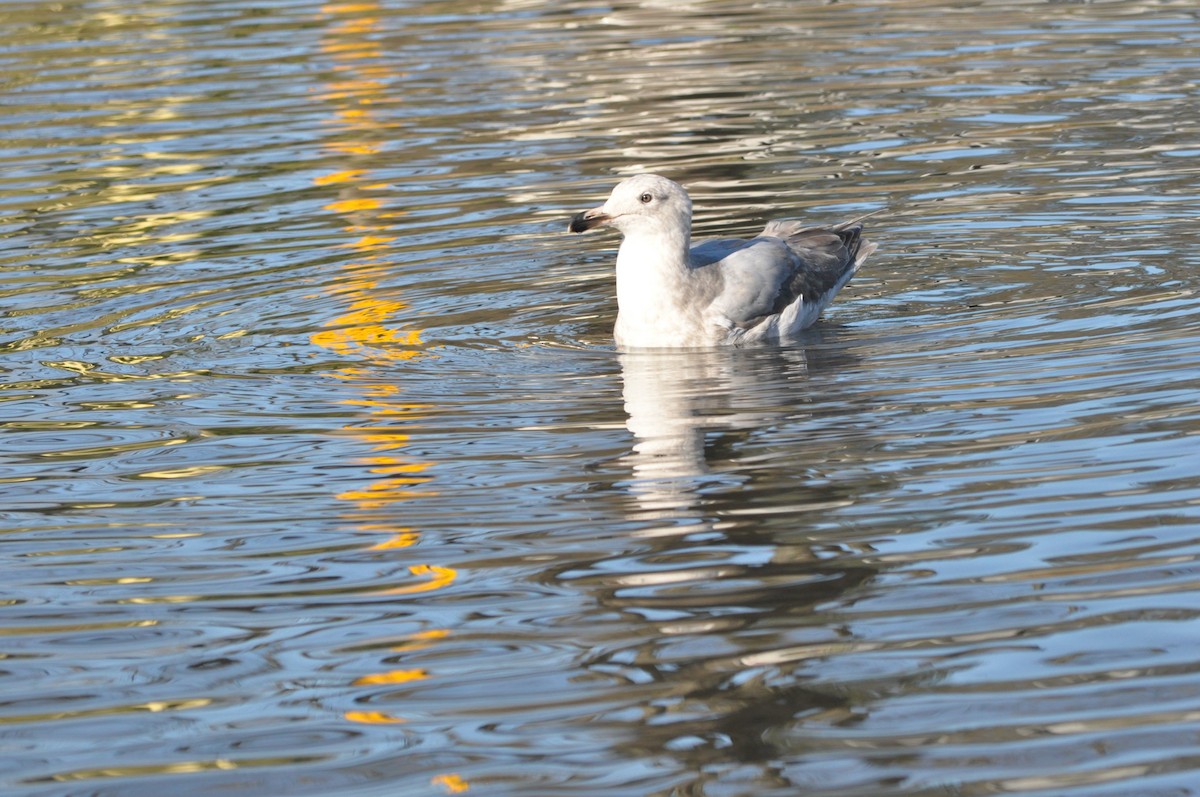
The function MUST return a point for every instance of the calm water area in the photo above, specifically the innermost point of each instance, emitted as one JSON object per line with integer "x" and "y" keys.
{"x": 321, "y": 475}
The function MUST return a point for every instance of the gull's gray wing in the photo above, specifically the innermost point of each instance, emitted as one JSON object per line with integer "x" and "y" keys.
{"x": 754, "y": 278}
{"x": 710, "y": 252}
{"x": 785, "y": 263}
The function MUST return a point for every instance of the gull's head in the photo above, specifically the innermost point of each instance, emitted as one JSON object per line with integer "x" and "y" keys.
{"x": 643, "y": 204}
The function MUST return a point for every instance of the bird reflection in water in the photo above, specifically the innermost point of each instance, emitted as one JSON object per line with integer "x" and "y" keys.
{"x": 725, "y": 604}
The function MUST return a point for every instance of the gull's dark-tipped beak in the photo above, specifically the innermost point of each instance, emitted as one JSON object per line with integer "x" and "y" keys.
{"x": 588, "y": 219}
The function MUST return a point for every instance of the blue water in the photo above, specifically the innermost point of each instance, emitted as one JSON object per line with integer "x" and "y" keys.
{"x": 321, "y": 475}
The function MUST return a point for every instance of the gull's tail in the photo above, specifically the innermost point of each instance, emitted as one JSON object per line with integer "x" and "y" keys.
{"x": 859, "y": 248}
{"x": 849, "y": 233}
{"x": 826, "y": 258}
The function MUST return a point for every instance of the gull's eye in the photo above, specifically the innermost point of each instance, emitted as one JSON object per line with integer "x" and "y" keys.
{"x": 646, "y": 198}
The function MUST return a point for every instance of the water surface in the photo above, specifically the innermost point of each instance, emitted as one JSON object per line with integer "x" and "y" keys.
{"x": 320, "y": 474}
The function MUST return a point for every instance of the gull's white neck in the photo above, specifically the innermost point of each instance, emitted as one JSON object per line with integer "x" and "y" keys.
{"x": 652, "y": 274}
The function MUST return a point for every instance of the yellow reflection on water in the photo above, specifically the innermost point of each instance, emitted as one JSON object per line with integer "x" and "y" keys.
{"x": 370, "y": 329}
{"x": 179, "y": 767}
{"x": 372, "y": 717}
{"x": 435, "y": 578}
{"x": 400, "y": 538}
{"x": 183, "y": 473}
{"x": 367, "y": 329}
{"x": 391, "y": 677}
{"x": 453, "y": 784}
{"x": 421, "y": 640}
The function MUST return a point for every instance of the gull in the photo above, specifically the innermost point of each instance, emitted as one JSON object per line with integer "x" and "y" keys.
{"x": 726, "y": 291}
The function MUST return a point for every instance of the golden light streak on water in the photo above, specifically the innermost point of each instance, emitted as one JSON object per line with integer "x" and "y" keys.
{"x": 401, "y": 538}
{"x": 379, "y": 494}
{"x": 372, "y": 717}
{"x": 438, "y": 577}
{"x": 352, "y": 205}
{"x": 354, "y": 149}
{"x": 368, "y": 330}
{"x": 453, "y": 784}
{"x": 391, "y": 677}
{"x": 421, "y": 640}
